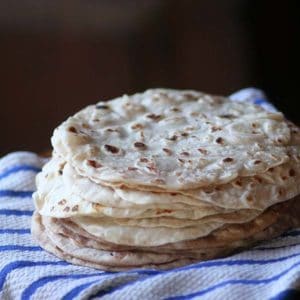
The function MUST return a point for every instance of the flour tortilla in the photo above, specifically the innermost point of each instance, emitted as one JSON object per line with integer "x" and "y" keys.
{"x": 68, "y": 247}
{"x": 109, "y": 142}
{"x": 275, "y": 185}
{"x": 273, "y": 221}
{"x": 39, "y": 233}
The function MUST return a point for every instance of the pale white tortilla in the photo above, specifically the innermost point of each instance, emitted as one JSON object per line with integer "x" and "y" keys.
{"x": 109, "y": 144}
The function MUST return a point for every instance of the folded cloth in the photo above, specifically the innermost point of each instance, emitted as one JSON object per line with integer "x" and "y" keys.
{"x": 268, "y": 271}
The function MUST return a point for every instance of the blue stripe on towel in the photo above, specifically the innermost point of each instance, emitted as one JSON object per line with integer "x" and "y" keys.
{"x": 23, "y": 264}
{"x": 16, "y": 169}
{"x": 29, "y": 291}
{"x": 207, "y": 264}
{"x": 235, "y": 282}
{"x": 15, "y": 194}
{"x": 20, "y": 248}
{"x": 15, "y": 212}
{"x": 77, "y": 290}
{"x": 14, "y": 231}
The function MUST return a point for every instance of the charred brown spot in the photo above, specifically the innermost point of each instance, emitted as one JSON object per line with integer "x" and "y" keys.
{"x": 173, "y": 194}
{"x": 284, "y": 177}
{"x": 111, "y": 130}
{"x": 140, "y": 146}
{"x": 279, "y": 141}
{"x": 111, "y": 149}
{"x": 175, "y": 109}
{"x": 62, "y": 202}
{"x": 151, "y": 167}
{"x": 75, "y": 208}
{"x": 137, "y": 126}
{"x": 132, "y": 169}
{"x": 190, "y": 96}
{"x": 281, "y": 191}
{"x": 72, "y": 129}
{"x": 216, "y": 128}
{"x": 144, "y": 159}
{"x": 86, "y": 126}
{"x": 102, "y": 106}
{"x": 208, "y": 191}
{"x": 228, "y": 159}
{"x": 168, "y": 151}
{"x": 254, "y": 125}
{"x": 219, "y": 140}
{"x": 271, "y": 170}
{"x": 96, "y": 120}
{"x": 258, "y": 179}
{"x": 203, "y": 151}
{"x": 154, "y": 117}
{"x": 164, "y": 211}
{"x": 238, "y": 183}
{"x": 94, "y": 164}
{"x": 66, "y": 209}
{"x": 249, "y": 198}
{"x": 227, "y": 116}
{"x": 292, "y": 172}
{"x": 172, "y": 138}
{"x": 184, "y": 153}
{"x": 185, "y": 134}
{"x": 257, "y": 162}
{"x": 181, "y": 160}
{"x": 159, "y": 181}
{"x": 60, "y": 172}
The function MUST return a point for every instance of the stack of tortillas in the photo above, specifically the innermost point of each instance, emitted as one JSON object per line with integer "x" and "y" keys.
{"x": 166, "y": 178}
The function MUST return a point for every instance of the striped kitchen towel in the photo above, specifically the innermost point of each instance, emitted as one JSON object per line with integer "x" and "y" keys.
{"x": 269, "y": 271}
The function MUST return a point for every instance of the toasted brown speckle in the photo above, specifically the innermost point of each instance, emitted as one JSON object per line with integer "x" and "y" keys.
{"x": 75, "y": 208}
{"x": 292, "y": 172}
{"x": 168, "y": 151}
{"x": 219, "y": 140}
{"x": 144, "y": 160}
{"x": 227, "y": 116}
{"x": 72, "y": 129}
{"x": 94, "y": 164}
{"x": 132, "y": 169}
{"x": 62, "y": 202}
{"x": 185, "y": 134}
{"x": 172, "y": 138}
{"x": 140, "y": 146}
{"x": 137, "y": 126}
{"x": 86, "y": 126}
{"x": 256, "y": 162}
{"x": 184, "y": 153}
{"x": 101, "y": 106}
{"x": 111, "y": 149}
{"x": 66, "y": 209}
{"x": 216, "y": 128}
{"x": 154, "y": 117}
{"x": 228, "y": 159}
{"x": 203, "y": 151}
{"x": 159, "y": 181}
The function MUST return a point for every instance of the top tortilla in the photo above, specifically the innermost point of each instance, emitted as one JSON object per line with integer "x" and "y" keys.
{"x": 172, "y": 140}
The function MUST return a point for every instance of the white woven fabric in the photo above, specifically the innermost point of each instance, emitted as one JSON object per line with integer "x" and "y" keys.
{"x": 269, "y": 271}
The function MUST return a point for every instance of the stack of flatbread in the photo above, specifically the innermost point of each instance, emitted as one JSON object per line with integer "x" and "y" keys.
{"x": 166, "y": 178}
